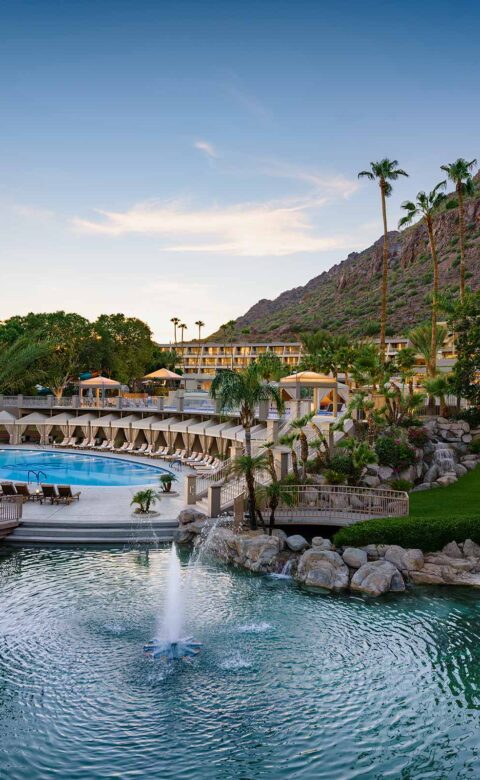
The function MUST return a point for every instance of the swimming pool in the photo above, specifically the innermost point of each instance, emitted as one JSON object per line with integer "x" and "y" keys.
{"x": 74, "y": 469}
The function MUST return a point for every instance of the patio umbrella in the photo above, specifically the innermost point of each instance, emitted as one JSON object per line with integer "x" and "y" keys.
{"x": 163, "y": 373}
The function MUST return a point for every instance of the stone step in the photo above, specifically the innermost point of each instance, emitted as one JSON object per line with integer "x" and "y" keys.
{"x": 157, "y": 525}
{"x": 89, "y": 533}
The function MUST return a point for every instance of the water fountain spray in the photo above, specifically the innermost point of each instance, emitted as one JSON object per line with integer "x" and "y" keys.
{"x": 172, "y": 646}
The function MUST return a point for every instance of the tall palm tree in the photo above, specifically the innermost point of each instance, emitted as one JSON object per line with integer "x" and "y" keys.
{"x": 425, "y": 207}
{"x": 298, "y": 427}
{"x": 176, "y": 322}
{"x": 405, "y": 362}
{"x": 200, "y": 324}
{"x": 243, "y": 391}
{"x": 439, "y": 387}
{"x": 183, "y": 328}
{"x": 421, "y": 340}
{"x": 290, "y": 440}
{"x": 384, "y": 171}
{"x": 460, "y": 173}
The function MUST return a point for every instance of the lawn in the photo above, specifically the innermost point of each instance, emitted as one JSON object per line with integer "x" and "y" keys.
{"x": 436, "y": 517}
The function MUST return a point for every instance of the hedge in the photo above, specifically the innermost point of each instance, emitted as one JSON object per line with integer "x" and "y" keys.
{"x": 427, "y": 533}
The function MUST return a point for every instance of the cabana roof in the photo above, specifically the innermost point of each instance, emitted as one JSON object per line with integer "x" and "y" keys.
{"x": 124, "y": 422}
{"x": 204, "y": 426}
{"x": 164, "y": 425}
{"x": 35, "y": 418}
{"x": 146, "y": 422}
{"x": 215, "y": 430}
{"x": 309, "y": 379}
{"x": 59, "y": 419}
{"x": 163, "y": 373}
{"x": 83, "y": 418}
{"x": 100, "y": 382}
{"x": 182, "y": 425}
{"x": 106, "y": 419}
{"x": 7, "y": 418}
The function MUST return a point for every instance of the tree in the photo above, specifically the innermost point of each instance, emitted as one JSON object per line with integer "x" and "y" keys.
{"x": 399, "y": 406}
{"x": 144, "y": 499}
{"x": 162, "y": 359}
{"x": 247, "y": 467}
{"x": 426, "y": 207}
{"x": 466, "y": 325}
{"x": 384, "y": 171}
{"x": 269, "y": 446}
{"x": 369, "y": 368}
{"x": 325, "y": 352}
{"x": 439, "y": 387}
{"x": 21, "y": 364}
{"x": 270, "y": 366}
{"x": 405, "y": 363}
{"x": 242, "y": 391}
{"x": 427, "y": 342}
{"x": 460, "y": 173}
{"x": 298, "y": 427}
{"x": 183, "y": 328}
{"x": 126, "y": 345}
{"x": 361, "y": 455}
{"x": 290, "y": 440}
{"x": 273, "y": 495}
{"x": 176, "y": 322}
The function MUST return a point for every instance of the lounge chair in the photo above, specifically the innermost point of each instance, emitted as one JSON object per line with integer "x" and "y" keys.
{"x": 62, "y": 443}
{"x": 104, "y": 445}
{"x": 91, "y": 444}
{"x": 49, "y": 492}
{"x": 24, "y": 491}
{"x": 65, "y": 494}
{"x": 177, "y": 455}
{"x": 161, "y": 452}
{"x": 149, "y": 450}
{"x": 141, "y": 450}
{"x": 123, "y": 448}
{"x": 82, "y": 443}
{"x": 8, "y": 490}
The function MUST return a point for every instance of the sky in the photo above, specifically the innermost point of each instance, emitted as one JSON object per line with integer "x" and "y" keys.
{"x": 189, "y": 158}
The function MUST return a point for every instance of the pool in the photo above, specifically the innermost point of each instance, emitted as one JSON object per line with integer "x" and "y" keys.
{"x": 74, "y": 469}
{"x": 289, "y": 685}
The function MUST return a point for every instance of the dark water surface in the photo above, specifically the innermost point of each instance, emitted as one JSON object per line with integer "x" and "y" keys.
{"x": 289, "y": 684}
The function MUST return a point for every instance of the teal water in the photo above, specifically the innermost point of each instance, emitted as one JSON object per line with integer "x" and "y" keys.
{"x": 289, "y": 684}
{"x": 74, "y": 468}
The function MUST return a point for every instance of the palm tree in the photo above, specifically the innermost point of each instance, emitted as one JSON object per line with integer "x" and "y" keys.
{"x": 289, "y": 440}
{"x": 176, "y": 322}
{"x": 405, "y": 362}
{"x": 439, "y": 387}
{"x": 426, "y": 206}
{"x": 384, "y": 172}
{"x": 242, "y": 391}
{"x": 460, "y": 173}
{"x": 183, "y": 328}
{"x": 424, "y": 342}
{"x": 269, "y": 447}
{"x": 274, "y": 494}
{"x": 200, "y": 324}
{"x": 298, "y": 427}
{"x": 21, "y": 364}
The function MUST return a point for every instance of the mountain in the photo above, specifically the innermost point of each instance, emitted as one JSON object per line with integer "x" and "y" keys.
{"x": 347, "y": 296}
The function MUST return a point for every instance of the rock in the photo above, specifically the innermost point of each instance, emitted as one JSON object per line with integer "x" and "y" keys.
{"x": 257, "y": 553}
{"x": 431, "y": 474}
{"x": 371, "y": 481}
{"x": 376, "y": 578}
{"x": 423, "y": 486}
{"x": 460, "y": 470}
{"x": 280, "y": 535}
{"x": 404, "y": 559}
{"x": 354, "y": 557}
{"x": 221, "y": 542}
{"x": 452, "y": 550}
{"x": 190, "y": 515}
{"x": 448, "y": 479}
{"x": 409, "y": 474}
{"x": 372, "y": 552}
{"x": 445, "y": 562}
{"x": 296, "y": 543}
{"x": 471, "y": 549}
{"x": 470, "y": 464}
{"x": 322, "y": 569}
{"x": 373, "y": 469}
{"x": 385, "y": 473}
{"x": 467, "y": 438}
{"x": 322, "y": 544}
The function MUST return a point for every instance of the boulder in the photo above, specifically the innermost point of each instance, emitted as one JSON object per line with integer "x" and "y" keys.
{"x": 354, "y": 557}
{"x": 404, "y": 559}
{"x": 409, "y": 474}
{"x": 467, "y": 438}
{"x": 371, "y": 481}
{"x": 447, "y": 479}
{"x": 431, "y": 474}
{"x": 376, "y": 578}
{"x": 460, "y": 470}
{"x": 452, "y": 550}
{"x": 280, "y": 535}
{"x": 322, "y": 569}
{"x": 385, "y": 473}
{"x": 257, "y": 553}
{"x": 372, "y": 552}
{"x": 373, "y": 469}
{"x": 423, "y": 486}
{"x": 471, "y": 549}
{"x": 296, "y": 543}
{"x": 221, "y": 542}
{"x": 190, "y": 515}
{"x": 322, "y": 544}
{"x": 469, "y": 464}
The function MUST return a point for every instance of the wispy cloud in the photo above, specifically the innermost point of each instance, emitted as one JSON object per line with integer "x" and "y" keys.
{"x": 207, "y": 148}
{"x": 246, "y": 229}
{"x": 330, "y": 184}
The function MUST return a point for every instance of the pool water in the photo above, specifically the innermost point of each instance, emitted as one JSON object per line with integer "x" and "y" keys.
{"x": 289, "y": 684}
{"x": 74, "y": 469}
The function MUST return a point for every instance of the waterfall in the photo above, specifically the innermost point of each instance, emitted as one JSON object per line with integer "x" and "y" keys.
{"x": 444, "y": 458}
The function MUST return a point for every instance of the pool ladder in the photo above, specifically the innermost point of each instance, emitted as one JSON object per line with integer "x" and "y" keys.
{"x": 36, "y": 474}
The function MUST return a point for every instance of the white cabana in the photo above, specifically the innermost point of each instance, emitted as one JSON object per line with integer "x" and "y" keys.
{"x": 33, "y": 420}
{"x": 83, "y": 421}
{"x": 61, "y": 420}
{"x": 105, "y": 422}
{"x": 181, "y": 427}
{"x": 7, "y": 426}
{"x": 321, "y": 384}
{"x": 145, "y": 425}
{"x": 125, "y": 424}
{"x": 163, "y": 427}
{"x": 202, "y": 430}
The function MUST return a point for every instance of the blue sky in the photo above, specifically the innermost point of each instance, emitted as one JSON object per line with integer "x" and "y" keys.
{"x": 188, "y": 158}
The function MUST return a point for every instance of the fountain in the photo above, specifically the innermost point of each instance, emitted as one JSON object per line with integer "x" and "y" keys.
{"x": 444, "y": 459}
{"x": 172, "y": 646}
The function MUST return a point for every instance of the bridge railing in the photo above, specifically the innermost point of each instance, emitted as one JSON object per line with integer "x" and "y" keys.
{"x": 11, "y": 509}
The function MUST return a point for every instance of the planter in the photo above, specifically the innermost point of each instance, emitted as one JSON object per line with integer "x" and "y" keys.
{"x": 145, "y": 515}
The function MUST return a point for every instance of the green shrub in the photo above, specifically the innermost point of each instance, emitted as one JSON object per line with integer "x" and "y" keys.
{"x": 401, "y": 484}
{"x": 335, "y": 477}
{"x": 394, "y": 452}
{"x": 472, "y": 416}
{"x": 371, "y": 328}
{"x": 342, "y": 463}
{"x": 418, "y": 437}
{"x": 475, "y": 446}
{"x": 427, "y": 533}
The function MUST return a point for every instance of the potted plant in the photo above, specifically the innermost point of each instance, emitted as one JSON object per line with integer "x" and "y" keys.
{"x": 166, "y": 481}
{"x": 144, "y": 499}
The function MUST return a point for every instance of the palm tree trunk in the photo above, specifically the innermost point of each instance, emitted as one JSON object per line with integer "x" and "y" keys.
{"x": 461, "y": 228}
{"x": 383, "y": 312}
{"x": 295, "y": 465}
{"x": 250, "y": 480}
{"x": 304, "y": 454}
{"x": 433, "y": 344}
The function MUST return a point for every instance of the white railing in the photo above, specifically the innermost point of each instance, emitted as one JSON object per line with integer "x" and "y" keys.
{"x": 340, "y": 502}
{"x": 204, "y": 482}
{"x": 11, "y": 508}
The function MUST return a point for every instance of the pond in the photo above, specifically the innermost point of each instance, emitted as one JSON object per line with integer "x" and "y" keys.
{"x": 289, "y": 684}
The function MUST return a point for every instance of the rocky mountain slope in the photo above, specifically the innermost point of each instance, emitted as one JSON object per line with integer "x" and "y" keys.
{"x": 347, "y": 296}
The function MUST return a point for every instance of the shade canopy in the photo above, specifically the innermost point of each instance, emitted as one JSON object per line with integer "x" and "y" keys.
{"x": 309, "y": 379}
{"x": 163, "y": 373}
{"x": 100, "y": 382}
{"x": 6, "y": 418}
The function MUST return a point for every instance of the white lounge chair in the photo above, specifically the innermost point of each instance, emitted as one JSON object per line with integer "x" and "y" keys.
{"x": 123, "y": 448}
{"x": 141, "y": 450}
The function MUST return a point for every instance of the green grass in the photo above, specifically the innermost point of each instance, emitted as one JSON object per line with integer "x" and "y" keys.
{"x": 436, "y": 517}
